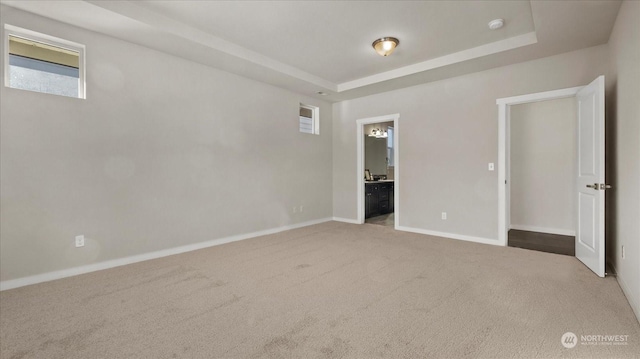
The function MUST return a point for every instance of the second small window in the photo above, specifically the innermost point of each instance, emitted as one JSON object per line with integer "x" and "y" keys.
{"x": 42, "y": 63}
{"x": 309, "y": 119}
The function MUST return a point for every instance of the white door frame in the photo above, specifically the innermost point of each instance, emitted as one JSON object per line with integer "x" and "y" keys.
{"x": 504, "y": 180}
{"x": 396, "y": 162}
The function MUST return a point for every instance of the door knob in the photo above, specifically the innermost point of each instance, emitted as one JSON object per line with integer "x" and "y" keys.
{"x": 600, "y": 186}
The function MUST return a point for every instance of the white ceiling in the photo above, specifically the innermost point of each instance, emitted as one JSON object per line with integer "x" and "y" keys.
{"x": 332, "y": 39}
{"x": 311, "y": 46}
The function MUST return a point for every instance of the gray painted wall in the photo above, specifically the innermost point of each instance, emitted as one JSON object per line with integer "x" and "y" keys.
{"x": 448, "y": 133}
{"x": 163, "y": 153}
{"x": 543, "y": 157}
{"x": 624, "y": 146}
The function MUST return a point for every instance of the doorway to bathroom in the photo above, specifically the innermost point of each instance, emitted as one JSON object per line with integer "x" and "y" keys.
{"x": 378, "y": 170}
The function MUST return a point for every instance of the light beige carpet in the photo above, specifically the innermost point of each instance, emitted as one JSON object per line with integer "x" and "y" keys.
{"x": 332, "y": 290}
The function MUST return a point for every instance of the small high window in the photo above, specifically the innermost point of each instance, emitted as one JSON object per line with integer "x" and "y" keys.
{"x": 309, "y": 119}
{"x": 43, "y": 63}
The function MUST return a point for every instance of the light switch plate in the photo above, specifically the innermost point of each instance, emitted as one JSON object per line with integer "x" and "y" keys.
{"x": 491, "y": 166}
{"x": 80, "y": 241}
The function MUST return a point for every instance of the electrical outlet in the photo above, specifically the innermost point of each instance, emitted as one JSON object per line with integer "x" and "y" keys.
{"x": 622, "y": 252}
{"x": 444, "y": 215}
{"x": 79, "y": 241}
{"x": 301, "y": 208}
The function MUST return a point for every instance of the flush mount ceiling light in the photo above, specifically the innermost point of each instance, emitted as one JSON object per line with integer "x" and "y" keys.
{"x": 496, "y": 24}
{"x": 384, "y": 46}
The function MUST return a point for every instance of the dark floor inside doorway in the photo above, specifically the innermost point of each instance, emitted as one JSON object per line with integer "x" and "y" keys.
{"x": 387, "y": 220}
{"x": 544, "y": 242}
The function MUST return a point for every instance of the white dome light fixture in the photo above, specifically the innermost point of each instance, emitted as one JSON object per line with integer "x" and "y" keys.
{"x": 384, "y": 46}
{"x": 496, "y": 24}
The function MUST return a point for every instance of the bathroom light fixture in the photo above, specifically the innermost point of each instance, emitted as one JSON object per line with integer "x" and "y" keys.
{"x": 378, "y": 133}
{"x": 384, "y": 46}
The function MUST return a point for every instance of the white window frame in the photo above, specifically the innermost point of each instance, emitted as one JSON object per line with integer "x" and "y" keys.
{"x": 315, "y": 119}
{"x": 10, "y": 30}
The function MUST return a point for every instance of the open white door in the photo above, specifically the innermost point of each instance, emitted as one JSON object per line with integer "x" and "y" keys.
{"x": 590, "y": 244}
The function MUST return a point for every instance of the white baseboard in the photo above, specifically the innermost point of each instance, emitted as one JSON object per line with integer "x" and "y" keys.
{"x": 45, "y": 277}
{"x": 461, "y": 237}
{"x": 633, "y": 301}
{"x": 562, "y": 232}
{"x": 346, "y": 220}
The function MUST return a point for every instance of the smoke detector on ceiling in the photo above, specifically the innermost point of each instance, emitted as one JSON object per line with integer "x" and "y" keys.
{"x": 496, "y": 24}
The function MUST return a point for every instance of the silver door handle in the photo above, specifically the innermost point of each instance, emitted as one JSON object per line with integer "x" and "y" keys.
{"x": 600, "y": 186}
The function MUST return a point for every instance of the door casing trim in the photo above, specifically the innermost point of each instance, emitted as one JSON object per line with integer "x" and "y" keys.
{"x": 396, "y": 161}
{"x": 504, "y": 180}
